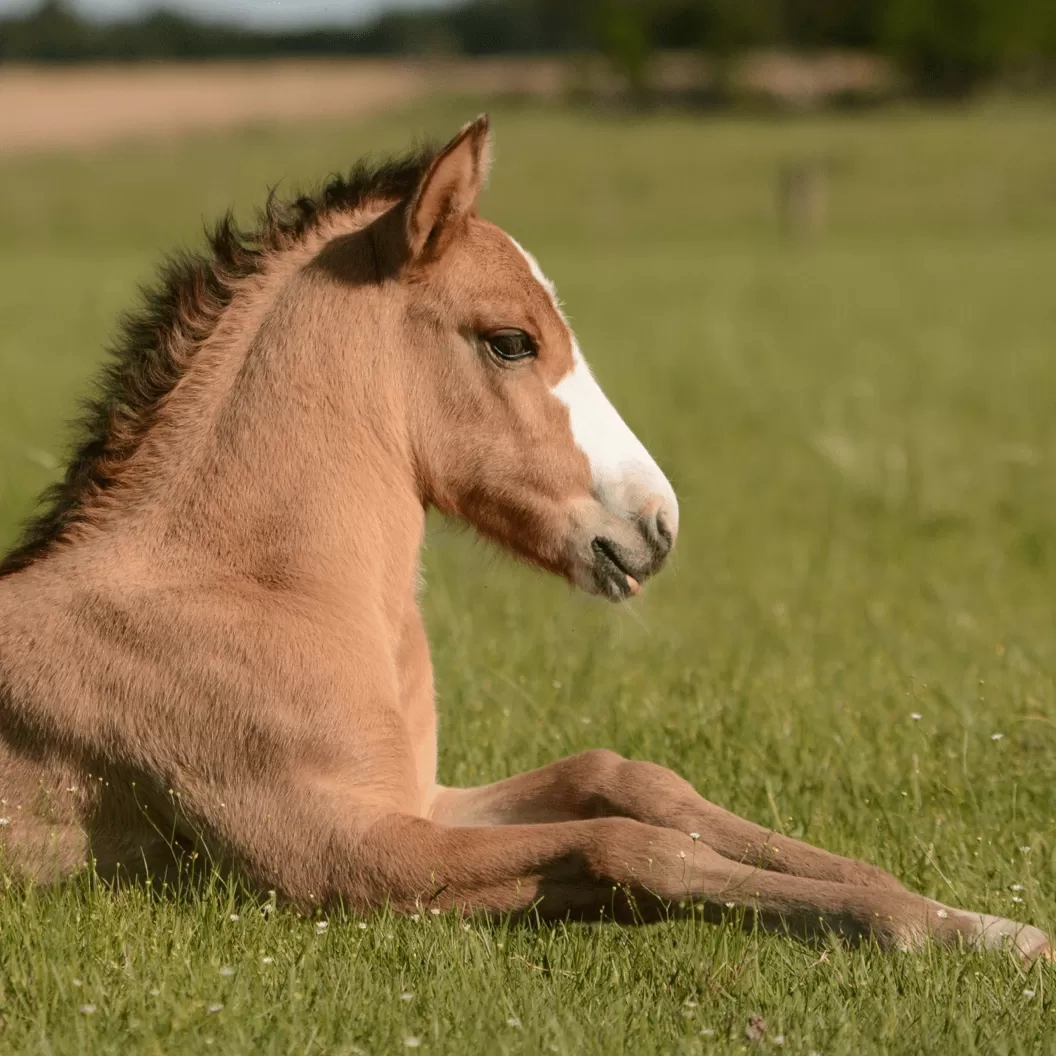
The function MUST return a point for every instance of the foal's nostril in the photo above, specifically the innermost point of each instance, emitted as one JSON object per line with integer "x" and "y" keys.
{"x": 663, "y": 529}
{"x": 657, "y": 530}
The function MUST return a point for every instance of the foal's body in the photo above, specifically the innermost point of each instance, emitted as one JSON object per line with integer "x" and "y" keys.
{"x": 213, "y": 638}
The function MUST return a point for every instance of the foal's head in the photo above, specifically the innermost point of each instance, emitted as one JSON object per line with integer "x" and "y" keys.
{"x": 511, "y": 432}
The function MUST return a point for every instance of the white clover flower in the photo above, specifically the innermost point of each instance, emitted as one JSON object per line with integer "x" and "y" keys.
{"x": 215, "y": 1008}
{"x": 997, "y": 736}
{"x": 942, "y": 914}
{"x": 435, "y": 912}
{"x": 1029, "y": 993}
{"x": 1016, "y": 898}
{"x": 87, "y": 1010}
{"x": 416, "y": 916}
{"x": 916, "y": 716}
{"x": 514, "y": 1022}
{"x": 226, "y": 971}
{"x": 267, "y": 960}
{"x": 694, "y": 835}
{"x": 321, "y": 926}
{"x": 412, "y": 1042}
{"x": 1018, "y": 887}
{"x": 362, "y": 925}
{"x": 155, "y": 992}
{"x": 407, "y": 996}
{"x": 234, "y": 916}
{"x": 1025, "y": 849}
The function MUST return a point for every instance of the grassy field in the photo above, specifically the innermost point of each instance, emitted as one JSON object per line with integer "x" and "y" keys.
{"x": 855, "y": 644}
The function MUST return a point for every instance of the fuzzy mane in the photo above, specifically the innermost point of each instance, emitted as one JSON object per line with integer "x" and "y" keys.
{"x": 158, "y": 342}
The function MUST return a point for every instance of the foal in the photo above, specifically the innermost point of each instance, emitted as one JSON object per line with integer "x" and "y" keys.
{"x": 211, "y": 638}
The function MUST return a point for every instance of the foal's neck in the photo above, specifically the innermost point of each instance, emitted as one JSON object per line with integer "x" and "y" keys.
{"x": 284, "y": 455}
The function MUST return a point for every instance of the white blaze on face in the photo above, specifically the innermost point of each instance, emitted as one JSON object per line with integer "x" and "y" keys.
{"x": 626, "y": 479}
{"x": 625, "y": 476}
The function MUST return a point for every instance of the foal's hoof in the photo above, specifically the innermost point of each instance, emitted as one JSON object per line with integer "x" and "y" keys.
{"x": 1033, "y": 945}
{"x": 1043, "y": 952}
{"x": 1029, "y": 943}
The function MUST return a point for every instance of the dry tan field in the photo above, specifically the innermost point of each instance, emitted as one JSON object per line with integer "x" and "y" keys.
{"x": 47, "y": 107}
{"x": 44, "y": 108}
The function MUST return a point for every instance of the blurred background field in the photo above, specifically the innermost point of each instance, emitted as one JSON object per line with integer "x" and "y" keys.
{"x": 834, "y": 327}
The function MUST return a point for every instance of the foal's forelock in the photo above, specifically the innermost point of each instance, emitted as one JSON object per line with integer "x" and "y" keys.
{"x": 624, "y": 475}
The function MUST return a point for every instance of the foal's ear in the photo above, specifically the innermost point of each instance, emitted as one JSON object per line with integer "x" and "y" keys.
{"x": 449, "y": 190}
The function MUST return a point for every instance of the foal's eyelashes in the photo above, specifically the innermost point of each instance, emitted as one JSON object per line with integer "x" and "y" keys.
{"x": 511, "y": 345}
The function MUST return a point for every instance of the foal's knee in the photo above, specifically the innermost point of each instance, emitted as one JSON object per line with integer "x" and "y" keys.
{"x": 593, "y": 776}
{"x": 610, "y": 785}
{"x": 594, "y": 766}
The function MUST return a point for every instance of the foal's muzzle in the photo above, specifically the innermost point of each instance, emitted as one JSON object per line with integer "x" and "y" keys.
{"x": 626, "y": 551}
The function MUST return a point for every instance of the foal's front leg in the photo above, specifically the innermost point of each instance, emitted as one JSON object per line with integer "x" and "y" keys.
{"x": 621, "y": 868}
{"x": 600, "y": 783}
{"x": 296, "y": 836}
{"x": 738, "y": 858}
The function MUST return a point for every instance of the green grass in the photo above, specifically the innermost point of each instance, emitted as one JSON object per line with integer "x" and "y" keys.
{"x": 864, "y": 440}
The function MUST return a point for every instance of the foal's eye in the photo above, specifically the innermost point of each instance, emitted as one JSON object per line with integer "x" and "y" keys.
{"x": 511, "y": 345}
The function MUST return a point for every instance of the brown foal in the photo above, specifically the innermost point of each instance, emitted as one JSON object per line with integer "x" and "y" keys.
{"x": 211, "y": 637}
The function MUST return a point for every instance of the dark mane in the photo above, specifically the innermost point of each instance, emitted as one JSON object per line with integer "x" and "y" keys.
{"x": 158, "y": 342}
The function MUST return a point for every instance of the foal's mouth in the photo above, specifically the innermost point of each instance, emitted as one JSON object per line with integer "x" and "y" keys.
{"x": 611, "y": 573}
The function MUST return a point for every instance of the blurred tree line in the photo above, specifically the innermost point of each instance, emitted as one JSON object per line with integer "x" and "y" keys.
{"x": 945, "y": 47}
